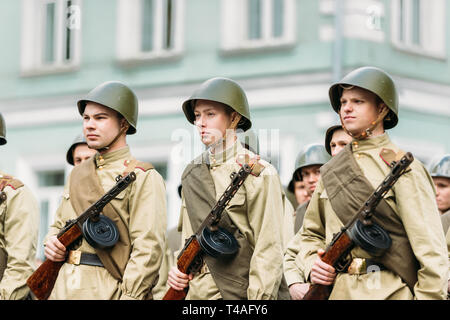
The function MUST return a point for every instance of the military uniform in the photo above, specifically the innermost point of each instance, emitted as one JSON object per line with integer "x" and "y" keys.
{"x": 411, "y": 205}
{"x": 257, "y": 211}
{"x": 292, "y": 266}
{"x": 254, "y": 215}
{"x": 169, "y": 260}
{"x": 129, "y": 269}
{"x": 415, "y": 264}
{"x": 311, "y": 155}
{"x": 142, "y": 208}
{"x": 19, "y": 221}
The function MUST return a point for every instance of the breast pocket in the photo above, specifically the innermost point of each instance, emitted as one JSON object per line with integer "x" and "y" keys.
{"x": 237, "y": 203}
{"x": 120, "y": 201}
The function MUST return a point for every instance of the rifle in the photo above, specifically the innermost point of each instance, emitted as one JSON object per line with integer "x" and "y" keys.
{"x": 344, "y": 241}
{"x": 190, "y": 258}
{"x": 42, "y": 280}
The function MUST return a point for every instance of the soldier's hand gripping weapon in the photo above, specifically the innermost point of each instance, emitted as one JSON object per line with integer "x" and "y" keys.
{"x": 360, "y": 230}
{"x": 210, "y": 238}
{"x": 41, "y": 282}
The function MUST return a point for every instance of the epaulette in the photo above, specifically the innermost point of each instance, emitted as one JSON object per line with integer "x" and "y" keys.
{"x": 135, "y": 164}
{"x": 144, "y": 166}
{"x": 389, "y": 156}
{"x": 6, "y": 180}
{"x": 245, "y": 158}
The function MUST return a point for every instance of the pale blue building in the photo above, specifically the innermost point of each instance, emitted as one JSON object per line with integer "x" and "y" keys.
{"x": 284, "y": 53}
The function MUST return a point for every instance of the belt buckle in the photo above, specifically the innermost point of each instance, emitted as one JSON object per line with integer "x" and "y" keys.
{"x": 74, "y": 257}
{"x": 357, "y": 266}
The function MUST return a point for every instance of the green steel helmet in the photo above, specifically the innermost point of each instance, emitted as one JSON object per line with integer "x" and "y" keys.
{"x": 442, "y": 167}
{"x": 249, "y": 140}
{"x": 221, "y": 90}
{"x": 2, "y": 130}
{"x": 313, "y": 154}
{"x": 80, "y": 139}
{"x": 329, "y": 136}
{"x": 374, "y": 80}
{"x": 117, "y": 96}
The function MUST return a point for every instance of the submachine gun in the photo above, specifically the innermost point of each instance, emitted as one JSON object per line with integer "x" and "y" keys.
{"x": 210, "y": 238}
{"x": 360, "y": 230}
{"x": 97, "y": 229}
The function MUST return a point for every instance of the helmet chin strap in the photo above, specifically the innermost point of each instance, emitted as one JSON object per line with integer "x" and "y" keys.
{"x": 232, "y": 126}
{"x": 367, "y": 132}
{"x": 122, "y": 130}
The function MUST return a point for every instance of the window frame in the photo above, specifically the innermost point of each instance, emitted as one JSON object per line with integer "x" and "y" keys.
{"x": 32, "y": 46}
{"x": 235, "y": 20}
{"x": 431, "y": 15}
{"x": 129, "y": 22}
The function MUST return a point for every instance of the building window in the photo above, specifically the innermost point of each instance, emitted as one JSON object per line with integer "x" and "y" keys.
{"x": 418, "y": 26}
{"x": 50, "y": 36}
{"x": 254, "y": 24}
{"x": 156, "y": 26}
{"x": 50, "y": 185}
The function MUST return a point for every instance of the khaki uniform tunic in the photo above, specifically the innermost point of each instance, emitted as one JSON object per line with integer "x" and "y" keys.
{"x": 143, "y": 206}
{"x": 288, "y": 222}
{"x": 445, "y": 221}
{"x": 413, "y": 200}
{"x": 260, "y": 221}
{"x": 19, "y": 221}
{"x": 293, "y": 268}
{"x": 292, "y": 265}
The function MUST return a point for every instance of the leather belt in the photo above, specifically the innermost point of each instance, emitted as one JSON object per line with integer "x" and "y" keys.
{"x": 362, "y": 266}
{"x": 77, "y": 257}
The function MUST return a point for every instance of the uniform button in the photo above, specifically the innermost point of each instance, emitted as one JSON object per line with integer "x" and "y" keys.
{"x": 127, "y": 162}
{"x": 100, "y": 168}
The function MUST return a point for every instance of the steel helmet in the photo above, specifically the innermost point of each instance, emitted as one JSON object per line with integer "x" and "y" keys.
{"x": 80, "y": 139}
{"x": 374, "y": 80}
{"x": 117, "y": 96}
{"x": 442, "y": 167}
{"x": 2, "y": 130}
{"x": 314, "y": 154}
{"x": 221, "y": 90}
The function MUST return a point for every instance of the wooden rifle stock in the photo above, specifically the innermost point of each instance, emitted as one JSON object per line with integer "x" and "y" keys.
{"x": 42, "y": 281}
{"x": 188, "y": 257}
{"x": 332, "y": 255}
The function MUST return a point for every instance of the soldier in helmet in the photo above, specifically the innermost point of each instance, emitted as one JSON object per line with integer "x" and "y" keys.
{"x": 307, "y": 170}
{"x": 19, "y": 218}
{"x": 79, "y": 151}
{"x": 440, "y": 172}
{"x": 128, "y": 269}
{"x": 336, "y": 139}
{"x": 254, "y": 214}
{"x": 415, "y": 263}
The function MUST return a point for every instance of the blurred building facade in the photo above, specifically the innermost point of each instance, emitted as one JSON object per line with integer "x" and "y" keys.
{"x": 284, "y": 53}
